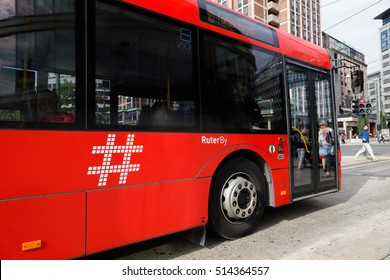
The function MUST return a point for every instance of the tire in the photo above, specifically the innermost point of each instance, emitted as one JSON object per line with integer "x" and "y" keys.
{"x": 237, "y": 199}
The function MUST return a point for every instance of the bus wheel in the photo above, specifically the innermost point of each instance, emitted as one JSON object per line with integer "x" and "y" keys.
{"x": 237, "y": 199}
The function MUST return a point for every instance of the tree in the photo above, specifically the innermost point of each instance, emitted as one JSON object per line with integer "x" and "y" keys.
{"x": 362, "y": 121}
{"x": 67, "y": 96}
{"x": 383, "y": 120}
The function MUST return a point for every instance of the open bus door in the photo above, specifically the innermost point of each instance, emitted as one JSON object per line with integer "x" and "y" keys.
{"x": 312, "y": 117}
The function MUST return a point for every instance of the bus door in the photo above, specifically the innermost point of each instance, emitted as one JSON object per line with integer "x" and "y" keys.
{"x": 312, "y": 153}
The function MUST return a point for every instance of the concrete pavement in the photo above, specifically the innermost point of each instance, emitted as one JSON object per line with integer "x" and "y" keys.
{"x": 350, "y": 160}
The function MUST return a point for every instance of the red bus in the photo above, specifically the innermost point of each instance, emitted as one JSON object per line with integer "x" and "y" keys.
{"x": 122, "y": 121}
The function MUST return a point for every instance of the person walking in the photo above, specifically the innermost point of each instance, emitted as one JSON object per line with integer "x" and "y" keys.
{"x": 342, "y": 138}
{"x": 365, "y": 136}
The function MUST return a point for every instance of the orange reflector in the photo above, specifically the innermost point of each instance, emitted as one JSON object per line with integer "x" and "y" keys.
{"x": 281, "y": 139}
{"x": 31, "y": 245}
{"x": 283, "y": 192}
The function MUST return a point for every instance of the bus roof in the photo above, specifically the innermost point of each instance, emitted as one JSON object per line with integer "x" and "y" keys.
{"x": 190, "y": 11}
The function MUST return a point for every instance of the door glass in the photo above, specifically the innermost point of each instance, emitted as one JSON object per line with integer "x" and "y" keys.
{"x": 313, "y": 146}
{"x": 326, "y": 129}
{"x": 301, "y": 132}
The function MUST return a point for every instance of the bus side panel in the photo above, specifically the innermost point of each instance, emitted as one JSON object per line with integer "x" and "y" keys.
{"x": 45, "y": 162}
{"x": 178, "y": 9}
{"x": 281, "y": 186}
{"x": 56, "y": 222}
{"x": 121, "y": 216}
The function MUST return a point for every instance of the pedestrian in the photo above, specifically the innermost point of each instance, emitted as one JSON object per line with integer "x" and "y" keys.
{"x": 343, "y": 138}
{"x": 365, "y": 136}
{"x": 326, "y": 147}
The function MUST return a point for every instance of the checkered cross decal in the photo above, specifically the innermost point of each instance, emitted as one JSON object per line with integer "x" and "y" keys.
{"x": 108, "y": 150}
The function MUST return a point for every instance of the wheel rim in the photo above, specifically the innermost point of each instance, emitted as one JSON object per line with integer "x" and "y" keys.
{"x": 238, "y": 198}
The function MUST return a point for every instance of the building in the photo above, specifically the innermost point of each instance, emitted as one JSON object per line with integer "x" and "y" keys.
{"x": 346, "y": 60}
{"x": 384, "y": 32}
{"x": 302, "y": 18}
{"x": 298, "y": 17}
{"x": 263, "y": 10}
{"x": 374, "y": 93}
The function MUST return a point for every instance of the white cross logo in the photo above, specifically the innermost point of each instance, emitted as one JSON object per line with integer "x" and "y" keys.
{"x": 108, "y": 150}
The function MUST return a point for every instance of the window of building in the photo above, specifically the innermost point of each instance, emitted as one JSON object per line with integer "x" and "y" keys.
{"x": 384, "y": 41}
{"x": 243, "y": 7}
{"x": 222, "y": 2}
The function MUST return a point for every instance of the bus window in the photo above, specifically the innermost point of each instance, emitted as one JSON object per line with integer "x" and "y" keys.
{"x": 144, "y": 71}
{"x": 37, "y": 58}
{"x": 243, "y": 88}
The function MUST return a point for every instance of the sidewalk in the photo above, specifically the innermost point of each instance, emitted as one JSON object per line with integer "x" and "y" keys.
{"x": 381, "y": 151}
{"x": 351, "y": 160}
{"x": 373, "y": 140}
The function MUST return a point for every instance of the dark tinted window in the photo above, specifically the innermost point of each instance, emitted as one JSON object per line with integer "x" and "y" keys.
{"x": 37, "y": 63}
{"x": 144, "y": 71}
{"x": 214, "y": 14}
{"x": 243, "y": 88}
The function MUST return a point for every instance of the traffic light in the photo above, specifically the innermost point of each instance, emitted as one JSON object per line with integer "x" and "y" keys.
{"x": 355, "y": 107}
{"x": 362, "y": 107}
{"x": 357, "y": 80}
{"x": 368, "y": 109}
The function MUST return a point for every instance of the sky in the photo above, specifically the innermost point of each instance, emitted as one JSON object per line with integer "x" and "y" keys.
{"x": 361, "y": 31}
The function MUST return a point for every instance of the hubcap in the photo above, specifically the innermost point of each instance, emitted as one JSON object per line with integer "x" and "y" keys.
{"x": 239, "y": 198}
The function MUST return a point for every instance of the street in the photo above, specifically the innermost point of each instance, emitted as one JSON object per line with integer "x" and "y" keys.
{"x": 353, "y": 224}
